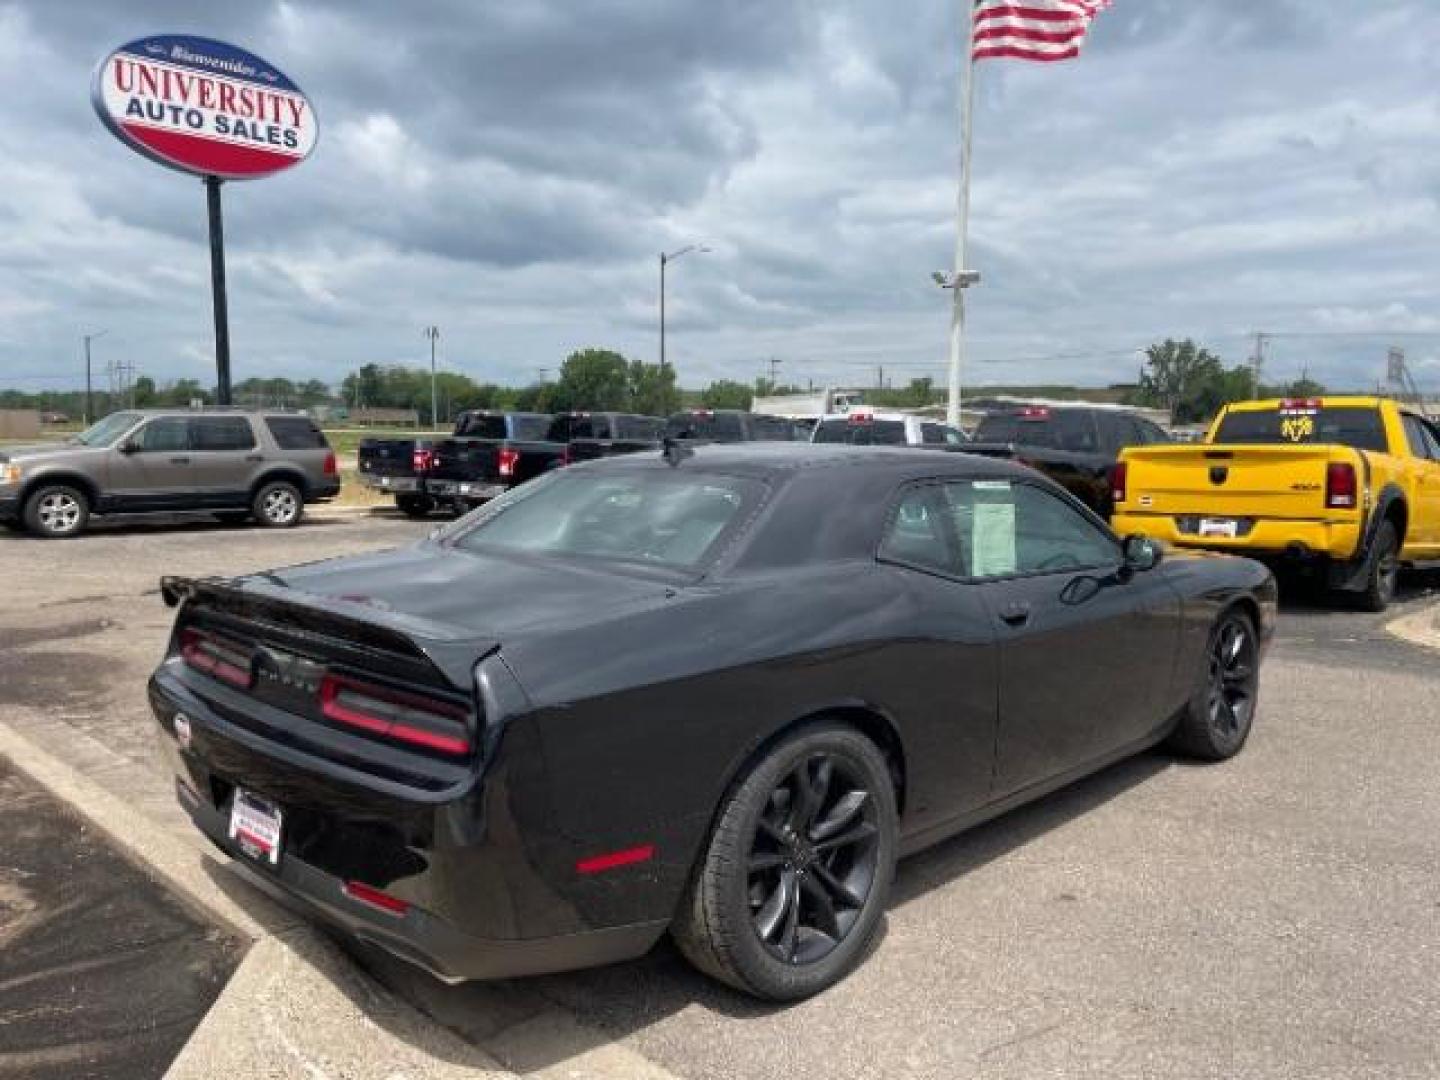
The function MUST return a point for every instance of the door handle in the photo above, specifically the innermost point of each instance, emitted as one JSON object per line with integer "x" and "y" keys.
{"x": 1015, "y": 613}
{"x": 254, "y": 457}
{"x": 179, "y": 461}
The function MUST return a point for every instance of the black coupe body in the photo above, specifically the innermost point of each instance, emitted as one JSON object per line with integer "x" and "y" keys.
{"x": 716, "y": 691}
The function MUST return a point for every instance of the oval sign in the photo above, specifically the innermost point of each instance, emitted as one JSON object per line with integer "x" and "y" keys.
{"x": 204, "y": 107}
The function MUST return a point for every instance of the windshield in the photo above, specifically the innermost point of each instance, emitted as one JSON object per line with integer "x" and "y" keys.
{"x": 105, "y": 432}
{"x": 673, "y": 518}
{"x": 1357, "y": 427}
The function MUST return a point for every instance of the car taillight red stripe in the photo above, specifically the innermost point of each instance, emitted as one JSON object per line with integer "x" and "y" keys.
{"x": 223, "y": 660}
{"x": 509, "y": 458}
{"x": 1119, "y": 474}
{"x": 368, "y": 894}
{"x": 331, "y": 467}
{"x": 395, "y": 714}
{"x": 1342, "y": 489}
{"x": 422, "y": 460}
{"x": 611, "y": 859}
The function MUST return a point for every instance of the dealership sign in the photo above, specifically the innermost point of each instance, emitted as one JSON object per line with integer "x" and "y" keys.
{"x": 204, "y": 107}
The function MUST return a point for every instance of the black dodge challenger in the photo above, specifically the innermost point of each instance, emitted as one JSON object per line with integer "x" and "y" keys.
{"x": 715, "y": 691}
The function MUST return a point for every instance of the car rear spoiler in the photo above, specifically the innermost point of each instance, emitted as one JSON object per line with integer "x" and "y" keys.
{"x": 447, "y": 651}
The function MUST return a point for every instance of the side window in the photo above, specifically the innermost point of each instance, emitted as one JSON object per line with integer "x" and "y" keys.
{"x": 932, "y": 435}
{"x": 1432, "y": 439}
{"x": 1415, "y": 433}
{"x": 916, "y": 532}
{"x": 1006, "y": 528}
{"x": 295, "y": 433}
{"x": 165, "y": 435}
{"x": 221, "y": 433}
{"x": 1075, "y": 431}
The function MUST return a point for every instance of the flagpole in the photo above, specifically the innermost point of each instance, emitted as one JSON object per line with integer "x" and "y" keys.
{"x": 966, "y": 98}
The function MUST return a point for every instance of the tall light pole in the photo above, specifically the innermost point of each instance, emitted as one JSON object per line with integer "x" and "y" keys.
{"x": 666, "y": 260}
{"x": 89, "y": 404}
{"x": 433, "y": 333}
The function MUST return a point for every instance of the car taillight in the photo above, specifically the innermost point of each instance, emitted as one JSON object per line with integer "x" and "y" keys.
{"x": 216, "y": 657}
{"x": 330, "y": 466}
{"x": 422, "y": 460}
{"x": 395, "y": 714}
{"x": 1342, "y": 489}
{"x": 509, "y": 458}
{"x": 1119, "y": 474}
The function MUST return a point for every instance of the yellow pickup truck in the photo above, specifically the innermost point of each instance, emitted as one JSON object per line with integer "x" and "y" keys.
{"x": 1349, "y": 486}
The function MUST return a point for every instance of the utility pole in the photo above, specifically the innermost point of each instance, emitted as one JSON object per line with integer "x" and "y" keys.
{"x": 217, "y": 291}
{"x": 89, "y": 394}
{"x": 1257, "y": 362}
{"x": 666, "y": 258}
{"x": 433, "y": 333}
{"x": 543, "y": 372}
{"x": 775, "y": 363}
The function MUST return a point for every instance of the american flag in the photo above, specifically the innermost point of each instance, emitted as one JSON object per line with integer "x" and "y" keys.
{"x": 1045, "y": 30}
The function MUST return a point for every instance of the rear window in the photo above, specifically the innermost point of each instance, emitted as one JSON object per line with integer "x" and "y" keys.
{"x": 530, "y": 427}
{"x": 674, "y": 518}
{"x": 720, "y": 427}
{"x": 565, "y": 428}
{"x": 295, "y": 433}
{"x": 1071, "y": 431}
{"x": 1360, "y": 428}
{"x": 858, "y": 432}
{"x": 640, "y": 427}
{"x": 481, "y": 426}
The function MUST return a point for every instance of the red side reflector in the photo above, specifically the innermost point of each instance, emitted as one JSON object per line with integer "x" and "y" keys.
{"x": 1341, "y": 487}
{"x": 597, "y": 863}
{"x": 1119, "y": 473}
{"x": 393, "y": 905}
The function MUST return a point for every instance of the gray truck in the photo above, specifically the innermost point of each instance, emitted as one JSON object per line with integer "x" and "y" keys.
{"x": 239, "y": 465}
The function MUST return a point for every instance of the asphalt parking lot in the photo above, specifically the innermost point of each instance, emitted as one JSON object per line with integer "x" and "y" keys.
{"x": 1275, "y": 916}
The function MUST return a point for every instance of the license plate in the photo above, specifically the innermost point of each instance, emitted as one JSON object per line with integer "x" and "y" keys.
{"x": 255, "y": 827}
{"x": 1225, "y": 527}
{"x": 482, "y": 491}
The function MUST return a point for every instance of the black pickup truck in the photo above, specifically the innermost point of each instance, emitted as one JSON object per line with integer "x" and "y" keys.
{"x": 1075, "y": 446}
{"x": 489, "y": 453}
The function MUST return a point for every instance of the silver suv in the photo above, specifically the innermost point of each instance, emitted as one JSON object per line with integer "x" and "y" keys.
{"x": 237, "y": 464}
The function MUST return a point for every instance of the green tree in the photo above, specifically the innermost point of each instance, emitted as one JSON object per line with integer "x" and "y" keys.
{"x": 143, "y": 392}
{"x": 726, "y": 394}
{"x": 1176, "y": 375}
{"x": 597, "y": 379}
{"x": 652, "y": 389}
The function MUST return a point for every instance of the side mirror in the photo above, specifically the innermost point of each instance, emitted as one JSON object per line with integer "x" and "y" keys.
{"x": 129, "y": 446}
{"x": 1142, "y": 553}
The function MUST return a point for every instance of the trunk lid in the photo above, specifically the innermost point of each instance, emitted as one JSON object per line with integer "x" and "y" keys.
{"x": 387, "y": 457}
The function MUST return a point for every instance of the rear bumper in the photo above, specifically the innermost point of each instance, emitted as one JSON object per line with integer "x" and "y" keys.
{"x": 9, "y": 508}
{"x": 325, "y": 490}
{"x": 475, "y": 888}
{"x": 1265, "y": 538}
{"x": 389, "y": 483}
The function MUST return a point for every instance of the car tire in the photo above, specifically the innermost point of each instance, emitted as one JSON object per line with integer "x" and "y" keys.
{"x": 57, "y": 511}
{"x": 278, "y": 505}
{"x": 1218, "y": 719}
{"x": 1382, "y": 571}
{"x": 791, "y": 888}
{"x": 415, "y": 505}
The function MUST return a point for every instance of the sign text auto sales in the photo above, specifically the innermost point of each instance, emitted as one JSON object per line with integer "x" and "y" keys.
{"x": 192, "y": 102}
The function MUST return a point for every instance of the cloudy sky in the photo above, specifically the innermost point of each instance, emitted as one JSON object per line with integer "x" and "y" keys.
{"x": 509, "y": 170}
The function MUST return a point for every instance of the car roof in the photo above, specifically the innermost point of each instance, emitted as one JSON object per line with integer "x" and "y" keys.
{"x": 180, "y": 410}
{"x": 781, "y": 459}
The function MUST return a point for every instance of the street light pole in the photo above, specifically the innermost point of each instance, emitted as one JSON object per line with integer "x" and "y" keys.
{"x": 665, "y": 260}
{"x": 433, "y": 333}
{"x": 89, "y": 401}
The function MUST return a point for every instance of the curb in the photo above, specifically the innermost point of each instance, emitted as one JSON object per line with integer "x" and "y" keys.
{"x": 1420, "y": 628}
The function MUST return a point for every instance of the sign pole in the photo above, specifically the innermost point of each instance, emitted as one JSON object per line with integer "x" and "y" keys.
{"x": 962, "y": 215}
{"x": 217, "y": 288}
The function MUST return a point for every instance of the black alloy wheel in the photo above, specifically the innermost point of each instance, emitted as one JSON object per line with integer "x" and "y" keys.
{"x": 1219, "y": 717}
{"x": 1382, "y": 576}
{"x": 792, "y": 884}
{"x": 813, "y": 861}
